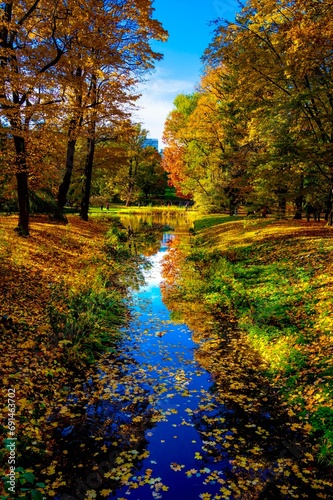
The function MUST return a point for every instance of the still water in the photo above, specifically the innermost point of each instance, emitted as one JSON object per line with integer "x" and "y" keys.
{"x": 179, "y": 222}
{"x": 180, "y": 391}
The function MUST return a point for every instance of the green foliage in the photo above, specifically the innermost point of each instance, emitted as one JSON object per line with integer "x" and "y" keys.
{"x": 8, "y": 206}
{"x": 43, "y": 202}
{"x": 322, "y": 423}
{"x": 169, "y": 193}
{"x": 297, "y": 361}
{"x": 88, "y": 324}
{"x": 322, "y": 419}
{"x": 25, "y": 486}
{"x": 214, "y": 221}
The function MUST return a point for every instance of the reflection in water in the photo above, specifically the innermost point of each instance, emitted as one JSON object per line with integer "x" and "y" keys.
{"x": 179, "y": 222}
{"x": 179, "y": 391}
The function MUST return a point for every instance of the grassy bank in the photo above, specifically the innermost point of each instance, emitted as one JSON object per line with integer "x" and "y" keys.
{"x": 273, "y": 282}
{"x": 61, "y": 306}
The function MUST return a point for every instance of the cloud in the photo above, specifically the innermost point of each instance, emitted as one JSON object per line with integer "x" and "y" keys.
{"x": 168, "y": 86}
{"x": 157, "y": 101}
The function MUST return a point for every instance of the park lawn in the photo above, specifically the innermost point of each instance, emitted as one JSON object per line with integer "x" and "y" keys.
{"x": 274, "y": 279}
{"x": 269, "y": 285}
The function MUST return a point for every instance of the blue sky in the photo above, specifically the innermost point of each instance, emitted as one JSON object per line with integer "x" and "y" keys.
{"x": 187, "y": 22}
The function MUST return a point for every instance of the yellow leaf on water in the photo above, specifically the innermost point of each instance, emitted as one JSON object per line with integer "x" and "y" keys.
{"x": 105, "y": 493}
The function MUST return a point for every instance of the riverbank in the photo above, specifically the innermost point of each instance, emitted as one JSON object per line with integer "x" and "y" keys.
{"x": 61, "y": 303}
{"x": 268, "y": 287}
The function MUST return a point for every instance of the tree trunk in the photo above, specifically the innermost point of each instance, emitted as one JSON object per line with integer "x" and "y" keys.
{"x": 282, "y": 207}
{"x": 64, "y": 186}
{"x": 299, "y": 200}
{"x": 328, "y": 208}
{"x": 22, "y": 186}
{"x": 299, "y": 206}
{"x": 6, "y": 42}
{"x": 91, "y": 152}
{"x": 23, "y": 202}
{"x": 132, "y": 173}
{"x": 282, "y": 203}
{"x": 87, "y": 179}
{"x": 74, "y": 127}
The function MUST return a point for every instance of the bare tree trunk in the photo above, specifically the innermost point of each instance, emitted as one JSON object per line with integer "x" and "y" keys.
{"x": 131, "y": 181}
{"x": 90, "y": 154}
{"x": 64, "y": 186}
{"x": 328, "y": 208}
{"x": 299, "y": 200}
{"x": 74, "y": 126}
{"x": 299, "y": 206}
{"x": 87, "y": 179}
{"x": 282, "y": 202}
{"x": 22, "y": 186}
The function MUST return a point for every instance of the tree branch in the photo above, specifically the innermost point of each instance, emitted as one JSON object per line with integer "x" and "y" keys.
{"x": 28, "y": 13}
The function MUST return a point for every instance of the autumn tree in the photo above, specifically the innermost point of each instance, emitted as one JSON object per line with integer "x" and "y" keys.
{"x": 261, "y": 130}
{"x": 151, "y": 178}
{"x": 207, "y": 137}
{"x": 281, "y": 54}
{"x": 110, "y": 61}
{"x": 137, "y": 171}
{"x": 33, "y": 38}
{"x": 176, "y": 140}
{"x": 45, "y": 47}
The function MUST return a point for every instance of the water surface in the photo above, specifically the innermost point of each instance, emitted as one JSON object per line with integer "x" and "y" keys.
{"x": 180, "y": 391}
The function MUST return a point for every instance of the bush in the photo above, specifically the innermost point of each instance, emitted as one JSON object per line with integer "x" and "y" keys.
{"x": 8, "y": 206}
{"x": 322, "y": 419}
{"x": 88, "y": 325}
{"x": 322, "y": 424}
{"x": 43, "y": 202}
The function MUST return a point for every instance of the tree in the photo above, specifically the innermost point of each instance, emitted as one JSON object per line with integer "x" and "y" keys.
{"x": 126, "y": 177}
{"x": 207, "y": 137}
{"x": 45, "y": 36}
{"x": 281, "y": 54}
{"x": 33, "y": 39}
{"x": 261, "y": 129}
{"x": 151, "y": 178}
{"x": 117, "y": 53}
{"x": 176, "y": 140}
{"x": 126, "y": 169}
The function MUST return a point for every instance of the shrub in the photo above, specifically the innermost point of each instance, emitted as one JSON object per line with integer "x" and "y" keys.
{"x": 88, "y": 325}
{"x": 42, "y": 202}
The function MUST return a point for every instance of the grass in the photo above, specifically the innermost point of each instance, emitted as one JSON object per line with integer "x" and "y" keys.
{"x": 210, "y": 221}
{"x": 275, "y": 278}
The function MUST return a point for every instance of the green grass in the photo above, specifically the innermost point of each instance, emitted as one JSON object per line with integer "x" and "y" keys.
{"x": 273, "y": 284}
{"x": 214, "y": 220}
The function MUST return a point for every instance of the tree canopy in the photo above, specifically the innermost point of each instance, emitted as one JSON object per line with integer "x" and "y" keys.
{"x": 261, "y": 130}
{"x": 66, "y": 69}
